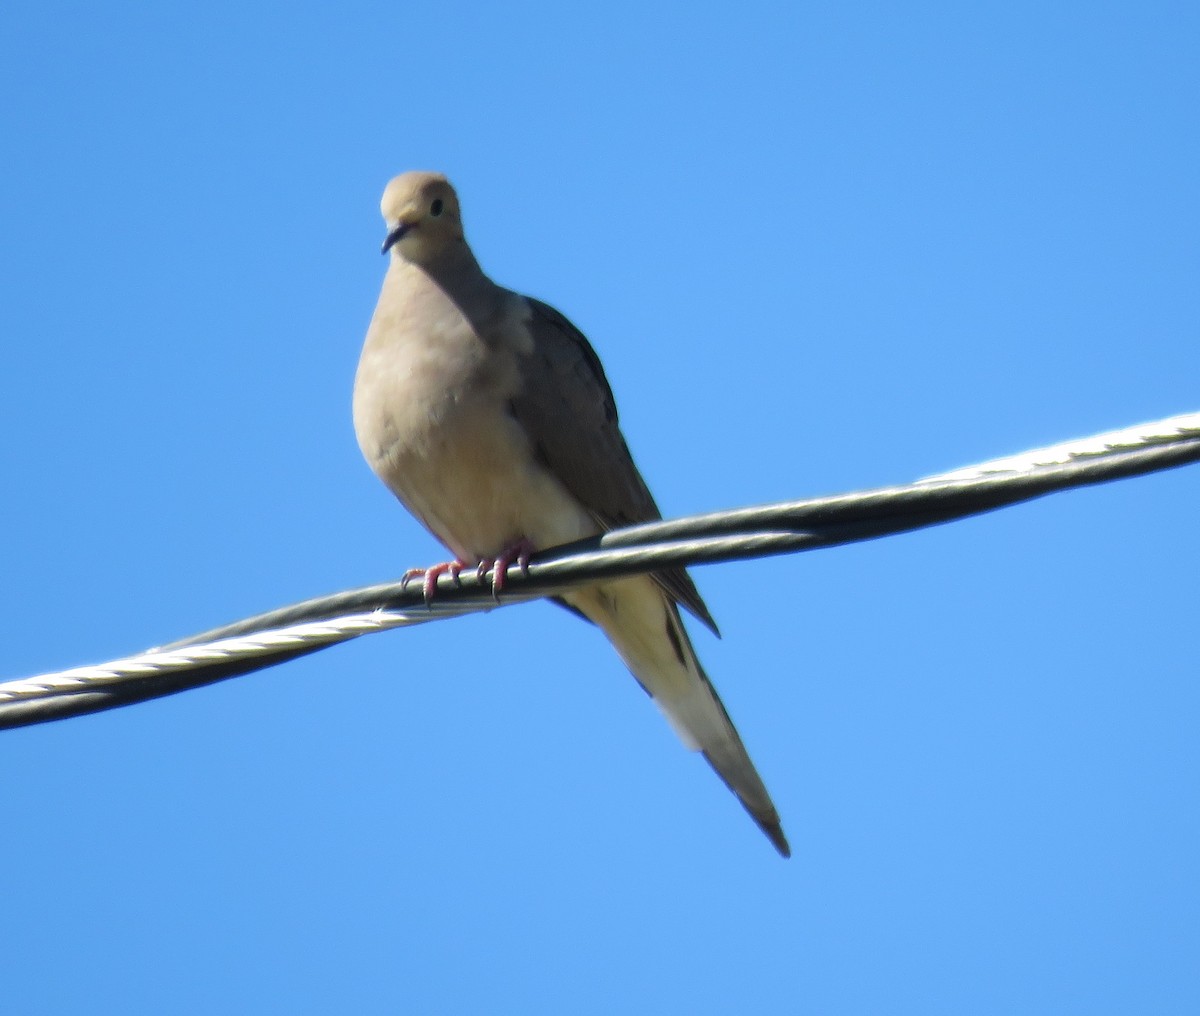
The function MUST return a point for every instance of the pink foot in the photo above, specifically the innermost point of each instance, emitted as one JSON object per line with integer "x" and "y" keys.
{"x": 518, "y": 554}
{"x": 515, "y": 553}
{"x": 430, "y": 577}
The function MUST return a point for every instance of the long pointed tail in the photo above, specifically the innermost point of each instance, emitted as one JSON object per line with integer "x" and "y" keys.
{"x": 644, "y": 626}
{"x": 705, "y": 721}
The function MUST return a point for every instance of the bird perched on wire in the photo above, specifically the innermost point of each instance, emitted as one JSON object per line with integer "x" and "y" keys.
{"x": 488, "y": 415}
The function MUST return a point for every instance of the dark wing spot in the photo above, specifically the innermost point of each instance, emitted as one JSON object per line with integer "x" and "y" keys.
{"x": 673, "y": 635}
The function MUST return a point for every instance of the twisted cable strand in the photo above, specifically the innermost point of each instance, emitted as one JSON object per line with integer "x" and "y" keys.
{"x": 788, "y": 527}
{"x": 1142, "y": 435}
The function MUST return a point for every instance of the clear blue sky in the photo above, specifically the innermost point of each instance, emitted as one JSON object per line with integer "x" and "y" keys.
{"x": 819, "y": 246}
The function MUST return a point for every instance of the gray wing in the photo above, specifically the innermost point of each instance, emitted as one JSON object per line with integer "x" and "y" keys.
{"x": 568, "y": 411}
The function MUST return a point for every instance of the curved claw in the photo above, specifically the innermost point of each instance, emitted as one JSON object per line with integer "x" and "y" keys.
{"x": 429, "y": 577}
{"x": 409, "y": 575}
{"x": 518, "y": 554}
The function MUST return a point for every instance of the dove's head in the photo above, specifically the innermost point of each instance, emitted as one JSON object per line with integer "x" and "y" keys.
{"x": 421, "y": 212}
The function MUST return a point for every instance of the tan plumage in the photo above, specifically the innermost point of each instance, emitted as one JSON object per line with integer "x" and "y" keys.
{"x": 488, "y": 415}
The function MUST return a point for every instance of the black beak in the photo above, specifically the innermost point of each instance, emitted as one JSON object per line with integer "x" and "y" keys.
{"x": 394, "y": 237}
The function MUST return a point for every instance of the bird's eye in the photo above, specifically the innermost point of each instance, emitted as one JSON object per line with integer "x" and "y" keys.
{"x": 435, "y": 209}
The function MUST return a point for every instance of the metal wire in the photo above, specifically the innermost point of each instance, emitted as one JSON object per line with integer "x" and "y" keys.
{"x": 789, "y": 527}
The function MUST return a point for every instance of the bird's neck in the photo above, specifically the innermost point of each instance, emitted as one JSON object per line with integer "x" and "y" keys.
{"x": 456, "y": 272}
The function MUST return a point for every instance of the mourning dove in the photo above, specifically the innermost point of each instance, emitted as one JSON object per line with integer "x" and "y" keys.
{"x": 488, "y": 415}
